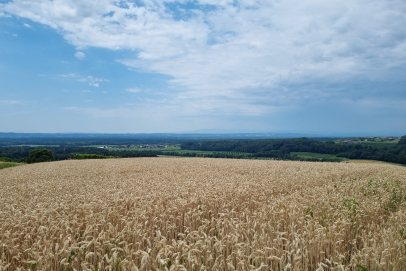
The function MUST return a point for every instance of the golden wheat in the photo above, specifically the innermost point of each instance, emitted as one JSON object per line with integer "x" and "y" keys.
{"x": 202, "y": 214}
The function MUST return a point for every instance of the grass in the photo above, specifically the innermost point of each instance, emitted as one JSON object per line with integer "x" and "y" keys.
{"x": 169, "y": 149}
{"x": 202, "y": 214}
{"x": 204, "y": 152}
{"x": 317, "y": 155}
{"x": 8, "y": 164}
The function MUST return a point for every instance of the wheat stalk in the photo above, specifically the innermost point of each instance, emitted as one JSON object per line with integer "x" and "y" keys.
{"x": 202, "y": 214}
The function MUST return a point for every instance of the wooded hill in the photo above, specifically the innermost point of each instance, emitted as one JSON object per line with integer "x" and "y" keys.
{"x": 282, "y": 148}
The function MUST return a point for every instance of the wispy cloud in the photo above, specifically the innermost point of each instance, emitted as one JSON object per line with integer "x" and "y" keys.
{"x": 136, "y": 90}
{"x": 27, "y": 25}
{"x": 71, "y": 75}
{"x": 2, "y": 14}
{"x": 92, "y": 81}
{"x": 80, "y": 55}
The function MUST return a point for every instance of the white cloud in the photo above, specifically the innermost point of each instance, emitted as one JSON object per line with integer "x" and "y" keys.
{"x": 27, "y": 25}
{"x": 92, "y": 81}
{"x": 2, "y": 14}
{"x": 80, "y": 55}
{"x": 258, "y": 55}
{"x": 86, "y": 91}
{"x": 105, "y": 92}
{"x": 68, "y": 75}
{"x": 136, "y": 90}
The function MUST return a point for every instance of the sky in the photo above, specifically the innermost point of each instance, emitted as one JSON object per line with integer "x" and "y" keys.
{"x": 152, "y": 66}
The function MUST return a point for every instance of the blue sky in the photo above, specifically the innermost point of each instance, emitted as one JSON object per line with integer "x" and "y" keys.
{"x": 150, "y": 66}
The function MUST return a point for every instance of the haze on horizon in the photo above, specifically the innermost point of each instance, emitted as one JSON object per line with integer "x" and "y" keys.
{"x": 154, "y": 66}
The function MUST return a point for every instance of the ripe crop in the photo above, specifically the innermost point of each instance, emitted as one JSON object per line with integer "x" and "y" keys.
{"x": 202, "y": 214}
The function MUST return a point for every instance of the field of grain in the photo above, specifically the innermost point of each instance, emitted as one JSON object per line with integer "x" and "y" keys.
{"x": 202, "y": 214}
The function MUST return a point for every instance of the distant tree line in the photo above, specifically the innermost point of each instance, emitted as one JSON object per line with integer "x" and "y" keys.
{"x": 276, "y": 155}
{"x": 281, "y": 148}
{"x": 21, "y": 154}
{"x": 285, "y": 146}
{"x": 80, "y": 156}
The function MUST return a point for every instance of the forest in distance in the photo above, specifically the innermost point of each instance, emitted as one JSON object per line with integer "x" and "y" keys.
{"x": 278, "y": 149}
{"x": 282, "y": 148}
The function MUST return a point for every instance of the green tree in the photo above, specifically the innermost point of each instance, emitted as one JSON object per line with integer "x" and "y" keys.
{"x": 40, "y": 155}
{"x": 402, "y": 140}
{"x": 6, "y": 159}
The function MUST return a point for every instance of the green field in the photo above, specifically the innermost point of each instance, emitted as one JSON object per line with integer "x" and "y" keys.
{"x": 169, "y": 149}
{"x": 317, "y": 155}
{"x": 200, "y": 152}
{"x": 180, "y": 151}
{"x": 194, "y": 151}
{"x": 8, "y": 164}
{"x": 300, "y": 154}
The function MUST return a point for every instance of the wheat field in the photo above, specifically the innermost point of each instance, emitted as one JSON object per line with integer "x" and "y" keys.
{"x": 202, "y": 214}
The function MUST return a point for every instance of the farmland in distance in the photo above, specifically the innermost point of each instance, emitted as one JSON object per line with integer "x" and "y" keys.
{"x": 202, "y": 214}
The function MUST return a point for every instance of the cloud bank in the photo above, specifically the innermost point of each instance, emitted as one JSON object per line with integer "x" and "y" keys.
{"x": 248, "y": 57}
